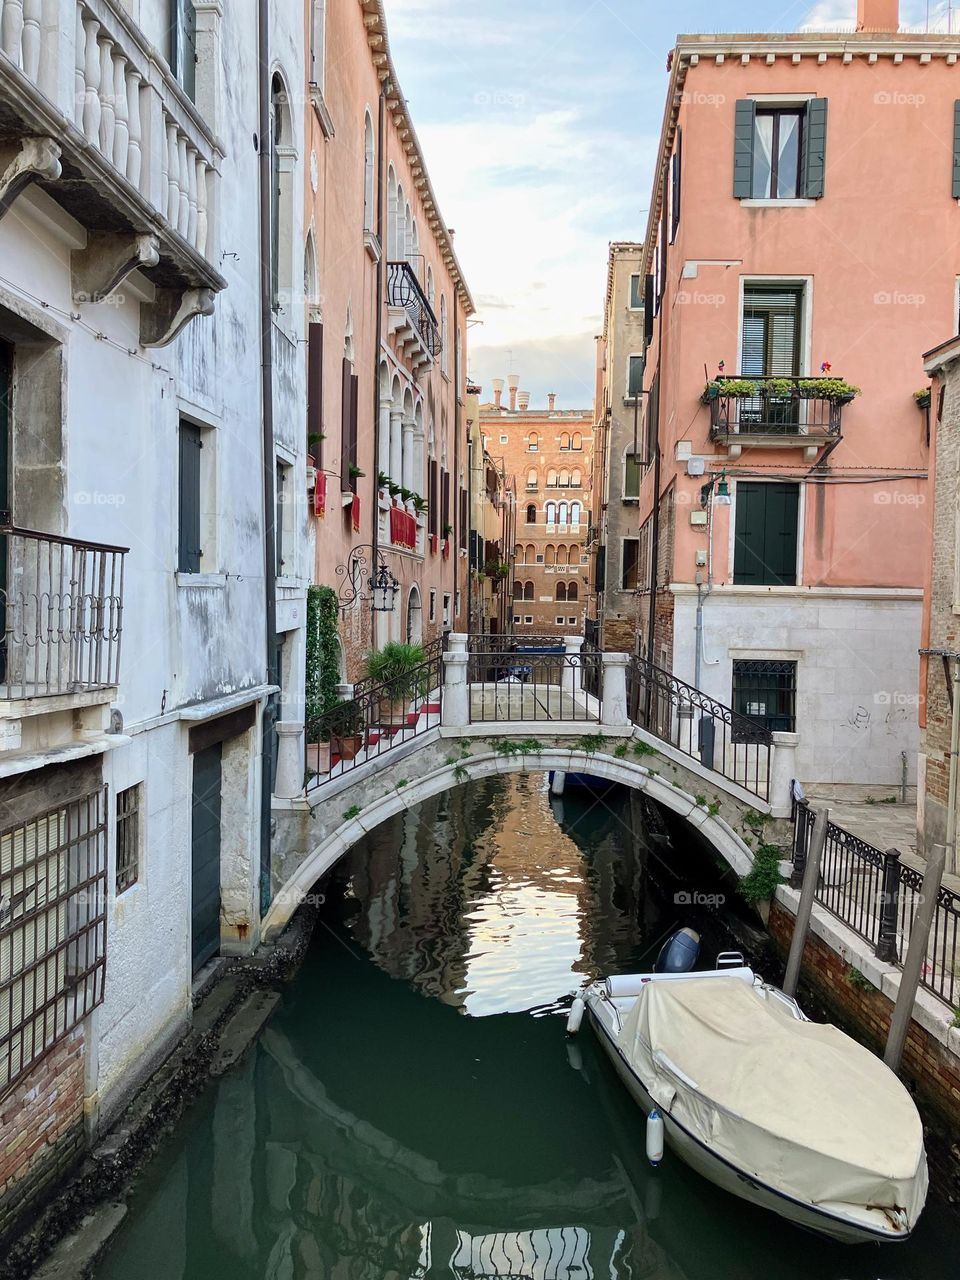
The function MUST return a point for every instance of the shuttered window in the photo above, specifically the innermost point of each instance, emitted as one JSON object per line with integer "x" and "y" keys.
{"x": 956, "y": 150}
{"x": 315, "y": 392}
{"x": 647, "y": 310}
{"x": 765, "y": 547}
{"x": 349, "y": 390}
{"x": 188, "y": 558}
{"x": 676, "y": 161}
{"x": 771, "y": 331}
{"x": 433, "y": 494}
{"x": 633, "y": 466}
{"x": 183, "y": 44}
{"x": 634, "y": 376}
{"x": 779, "y": 153}
{"x": 636, "y": 292}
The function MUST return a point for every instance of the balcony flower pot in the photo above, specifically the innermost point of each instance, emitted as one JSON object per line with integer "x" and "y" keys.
{"x": 922, "y": 398}
{"x": 398, "y": 669}
{"x": 347, "y": 748}
{"x": 346, "y": 726}
{"x": 318, "y": 757}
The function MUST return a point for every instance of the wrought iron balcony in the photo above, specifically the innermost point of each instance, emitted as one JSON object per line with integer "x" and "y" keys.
{"x": 783, "y": 411}
{"x": 413, "y": 323}
{"x": 61, "y": 608}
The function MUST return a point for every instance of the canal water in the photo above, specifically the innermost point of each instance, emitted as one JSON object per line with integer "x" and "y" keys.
{"x": 414, "y": 1110}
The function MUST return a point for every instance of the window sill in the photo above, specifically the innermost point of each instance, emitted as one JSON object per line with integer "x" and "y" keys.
{"x": 322, "y": 114}
{"x": 802, "y": 202}
{"x": 371, "y": 244}
{"x": 216, "y": 581}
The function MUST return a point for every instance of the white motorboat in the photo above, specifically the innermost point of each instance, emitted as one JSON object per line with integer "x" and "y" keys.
{"x": 789, "y": 1114}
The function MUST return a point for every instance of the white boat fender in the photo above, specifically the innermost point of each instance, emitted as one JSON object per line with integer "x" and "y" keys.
{"x": 575, "y": 1016}
{"x": 655, "y": 1137}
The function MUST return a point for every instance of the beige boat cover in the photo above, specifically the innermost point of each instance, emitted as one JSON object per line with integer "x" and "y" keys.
{"x": 798, "y": 1105}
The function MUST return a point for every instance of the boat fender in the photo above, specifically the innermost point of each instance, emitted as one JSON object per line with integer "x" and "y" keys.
{"x": 655, "y": 1137}
{"x": 575, "y": 1017}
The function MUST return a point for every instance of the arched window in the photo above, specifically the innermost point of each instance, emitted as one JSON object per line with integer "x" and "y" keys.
{"x": 549, "y": 554}
{"x": 575, "y": 513}
{"x": 531, "y": 513}
{"x": 562, "y": 513}
{"x": 518, "y": 553}
{"x": 409, "y": 231}
{"x": 533, "y": 442}
{"x": 577, "y": 441}
{"x": 528, "y": 591}
{"x": 414, "y": 617}
{"x": 532, "y": 478}
{"x": 369, "y": 174}
{"x": 561, "y": 590}
{"x": 565, "y": 440}
{"x": 551, "y": 510}
{"x": 443, "y": 333}
{"x": 562, "y": 555}
{"x": 531, "y": 556}
{"x": 517, "y": 590}
{"x": 311, "y": 276}
{"x": 400, "y": 226}
{"x": 575, "y": 478}
{"x": 430, "y": 285}
{"x": 281, "y": 212}
{"x": 551, "y": 478}
{"x": 572, "y": 591}
{"x": 564, "y": 479}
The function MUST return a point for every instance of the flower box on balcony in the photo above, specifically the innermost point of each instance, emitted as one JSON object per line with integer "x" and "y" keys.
{"x": 446, "y": 548}
{"x": 434, "y": 543}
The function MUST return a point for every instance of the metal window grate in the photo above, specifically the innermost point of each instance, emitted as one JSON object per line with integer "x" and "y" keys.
{"x": 766, "y": 692}
{"x": 128, "y": 838}
{"x": 53, "y": 874}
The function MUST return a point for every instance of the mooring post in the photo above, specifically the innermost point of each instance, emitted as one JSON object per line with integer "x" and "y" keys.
{"x": 916, "y": 955}
{"x": 811, "y": 872}
{"x": 886, "y": 948}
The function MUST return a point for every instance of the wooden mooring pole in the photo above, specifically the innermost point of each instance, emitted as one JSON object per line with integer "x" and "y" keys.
{"x": 916, "y": 954}
{"x": 808, "y": 889}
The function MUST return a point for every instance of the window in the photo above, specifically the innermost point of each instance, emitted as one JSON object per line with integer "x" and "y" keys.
{"x": 780, "y": 152}
{"x": 369, "y": 175}
{"x": 528, "y": 591}
{"x": 559, "y": 621}
{"x": 766, "y": 691}
{"x": 636, "y": 292}
{"x": 444, "y": 337}
{"x": 551, "y": 478}
{"x": 281, "y": 195}
{"x": 563, "y": 479}
{"x": 765, "y": 540}
{"x": 283, "y": 526}
{"x": 528, "y": 619}
{"x": 561, "y": 591}
{"x": 562, "y": 555}
{"x": 675, "y": 167}
{"x": 504, "y": 439}
{"x": 630, "y": 561}
{"x": 446, "y": 608}
{"x": 572, "y": 591}
{"x": 572, "y": 622}
{"x": 771, "y": 334}
{"x": 632, "y": 470}
{"x": 531, "y": 514}
{"x": 533, "y": 442}
{"x": 531, "y": 479}
{"x": 318, "y": 36}
{"x": 432, "y": 615}
{"x": 197, "y": 499}
{"x": 634, "y": 376}
{"x": 549, "y": 554}
{"x": 576, "y": 479}
{"x": 576, "y": 442}
{"x": 128, "y": 838}
{"x": 565, "y": 440}
{"x": 518, "y": 590}
{"x": 183, "y": 45}
{"x": 575, "y": 510}
{"x": 516, "y": 619}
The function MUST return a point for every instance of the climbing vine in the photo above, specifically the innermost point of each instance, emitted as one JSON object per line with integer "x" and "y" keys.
{"x": 322, "y": 658}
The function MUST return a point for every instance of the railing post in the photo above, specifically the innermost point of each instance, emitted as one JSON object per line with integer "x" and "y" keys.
{"x": 455, "y": 702}
{"x": 783, "y": 770}
{"x": 570, "y": 677}
{"x": 801, "y": 841}
{"x": 889, "y": 908}
{"x": 290, "y": 767}
{"x": 613, "y": 709}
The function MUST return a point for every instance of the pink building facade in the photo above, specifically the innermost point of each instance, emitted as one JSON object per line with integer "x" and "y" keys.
{"x": 802, "y": 249}
{"x": 387, "y": 309}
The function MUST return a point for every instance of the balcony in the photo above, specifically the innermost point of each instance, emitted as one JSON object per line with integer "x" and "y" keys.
{"x": 61, "y": 608}
{"x": 411, "y": 318}
{"x": 92, "y": 115}
{"x": 782, "y": 413}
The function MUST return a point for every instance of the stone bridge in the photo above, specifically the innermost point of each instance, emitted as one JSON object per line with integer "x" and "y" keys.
{"x": 472, "y": 727}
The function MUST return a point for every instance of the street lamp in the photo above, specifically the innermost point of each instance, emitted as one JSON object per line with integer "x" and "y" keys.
{"x": 722, "y": 494}
{"x": 381, "y": 585}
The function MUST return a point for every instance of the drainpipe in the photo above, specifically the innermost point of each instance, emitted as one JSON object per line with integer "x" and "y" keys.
{"x": 702, "y": 595}
{"x": 381, "y": 147}
{"x": 269, "y": 465}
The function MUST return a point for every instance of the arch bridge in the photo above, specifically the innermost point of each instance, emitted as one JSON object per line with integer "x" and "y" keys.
{"x": 487, "y": 705}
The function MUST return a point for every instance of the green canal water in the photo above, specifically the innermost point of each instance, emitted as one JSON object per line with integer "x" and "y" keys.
{"x": 414, "y": 1110}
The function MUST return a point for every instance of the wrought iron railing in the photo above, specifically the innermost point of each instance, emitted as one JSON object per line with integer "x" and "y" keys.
{"x": 532, "y": 685}
{"x": 781, "y": 407}
{"x": 61, "y": 609}
{"x": 431, "y": 650}
{"x": 508, "y": 642}
{"x": 876, "y": 896}
{"x": 403, "y": 290}
{"x": 701, "y": 727}
{"x": 376, "y": 718}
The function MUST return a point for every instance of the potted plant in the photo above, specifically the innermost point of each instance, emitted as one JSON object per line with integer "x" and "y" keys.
{"x": 836, "y": 389}
{"x": 346, "y": 727}
{"x": 503, "y": 571}
{"x": 398, "y": 668}
{"x": 405, "y": 495}
{"x": 394, "y": 489}
{"x": 739, "y": 388}
{"x": 420, "y": 509}
{"x": 922, "y": 398}
{"x": 322, "y": 673}
{"x": 355, "y": 472}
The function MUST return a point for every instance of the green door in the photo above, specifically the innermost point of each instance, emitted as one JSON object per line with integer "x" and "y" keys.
{"x": 765, "y": 547}
{"x": 205, "y": 851}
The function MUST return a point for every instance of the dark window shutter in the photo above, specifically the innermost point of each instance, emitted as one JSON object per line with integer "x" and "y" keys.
{"x": 188, "y": 559}
{"x": 433, "y": 495}
{"x": 463, "y": 518}
{"x": 675, "y": 175}
{"x": 445, "y": 497}
{"x": 743, "y": 126}
{"x": 956, "y": 150}
{"x": 647, "y": 310}
{"x": 315, "y": 390}
{"x": 353, "y": 456}
{"x": 814, "y": 159}
{"x": 346, "y": 374}
{"x": 765, "y": 550}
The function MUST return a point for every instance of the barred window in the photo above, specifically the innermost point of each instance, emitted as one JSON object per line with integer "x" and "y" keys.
{"x": 128, "y": 838}
{"x": 766, "y": 691}
{"x": 52, "y": 929}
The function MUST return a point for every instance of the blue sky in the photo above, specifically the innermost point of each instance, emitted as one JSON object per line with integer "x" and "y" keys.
{"x": 540, "y": 121}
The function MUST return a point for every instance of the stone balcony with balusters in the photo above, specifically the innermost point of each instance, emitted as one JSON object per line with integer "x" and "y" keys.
{"x": 91, "y": 112}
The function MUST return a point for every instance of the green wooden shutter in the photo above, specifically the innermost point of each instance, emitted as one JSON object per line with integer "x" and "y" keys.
{"x": 743, "y": 126}
{"x": 315, "y": 391}
{"x": 956, "y": 150}
{"x": 647, "y": 310}
{"x": 765, "y": 543}
{"x": 814, "y": 157}
{"x": 354, "y": 427}
{"x": 188, "y": 560}
{"x": 346, "y": 374}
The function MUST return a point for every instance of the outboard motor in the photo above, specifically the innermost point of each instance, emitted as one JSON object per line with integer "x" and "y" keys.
{"x": 679, "y": 953}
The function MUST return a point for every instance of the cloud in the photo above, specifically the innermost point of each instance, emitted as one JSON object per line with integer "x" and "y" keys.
{"x": 564, "y": 365}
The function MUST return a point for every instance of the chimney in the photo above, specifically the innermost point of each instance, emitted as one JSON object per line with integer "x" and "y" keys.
{"x": 513, "y": 381}
{"x": 552, "y": 401}
{"x": 524, "y": 401}
{"x": 878, "y": 15}
{"x": 497, "y": 391}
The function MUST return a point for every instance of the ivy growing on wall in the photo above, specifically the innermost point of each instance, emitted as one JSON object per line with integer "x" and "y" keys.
{"x": 323, "y": 667}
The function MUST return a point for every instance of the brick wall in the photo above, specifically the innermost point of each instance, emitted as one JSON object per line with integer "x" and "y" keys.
{"x": 41, "y": 1128}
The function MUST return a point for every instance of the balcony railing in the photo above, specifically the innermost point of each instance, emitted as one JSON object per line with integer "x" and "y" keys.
{"x": 782, "y": 407}
{"x": 403, "y": 290}
{"x": 61, "y": 608}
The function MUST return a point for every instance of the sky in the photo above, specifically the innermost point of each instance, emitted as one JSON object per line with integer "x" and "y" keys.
{"x": 540, "y": 121}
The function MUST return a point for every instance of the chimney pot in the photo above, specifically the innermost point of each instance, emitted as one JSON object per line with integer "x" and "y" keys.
{"x": 513, "y": 382}
{"x": 552, "y": 401}
{"x": 878, "y": 15}
{"x": 497, "y": 391}
{"x": 524, "y": 400}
